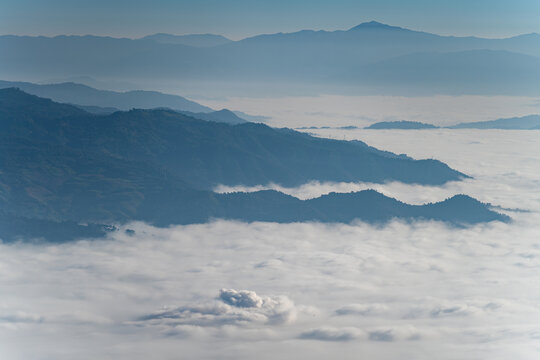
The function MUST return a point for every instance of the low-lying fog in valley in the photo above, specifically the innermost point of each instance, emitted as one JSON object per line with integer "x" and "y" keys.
{"x": 305, "y": 290}
{"x": 361, "y": 111}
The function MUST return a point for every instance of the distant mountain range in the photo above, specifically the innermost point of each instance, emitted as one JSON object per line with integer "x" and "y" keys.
{"x": 61, "y": 168}
{"x": 105, "y": 102}
{"x": 529, "y": 122}
{"x": 371, "y": 58}
{"x": 86, "y": 96}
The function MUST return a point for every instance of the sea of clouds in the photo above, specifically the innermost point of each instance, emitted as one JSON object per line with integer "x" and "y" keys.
{"x": 361, "y": 111}
{"x": 231, "y": 290}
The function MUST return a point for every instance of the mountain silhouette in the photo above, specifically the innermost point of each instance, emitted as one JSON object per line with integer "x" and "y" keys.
{"x": 371, "y": 58}
{"x": 529, "y": 122}
{"x": 375, "y": 25}
{"x": 85, "y": 96}
{"x": 61, "y": 166}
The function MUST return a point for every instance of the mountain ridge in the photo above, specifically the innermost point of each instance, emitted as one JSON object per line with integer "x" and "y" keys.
{"x": 84, "y": 95}
{"x": 528, "y": 122}
{"x": 62, "y": 165}
{"x": 369, "y": 59}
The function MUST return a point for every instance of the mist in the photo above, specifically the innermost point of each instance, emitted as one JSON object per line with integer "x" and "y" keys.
{"x": 229, "y": 289}
{"x": 361, "y": 111}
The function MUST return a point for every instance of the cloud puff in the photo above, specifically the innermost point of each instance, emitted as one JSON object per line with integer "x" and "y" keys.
{"x": 242, "y": 298}
{"x": 235, "y": 307}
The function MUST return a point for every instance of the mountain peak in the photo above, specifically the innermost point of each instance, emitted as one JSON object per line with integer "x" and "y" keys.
{"x": 375, "y": 25}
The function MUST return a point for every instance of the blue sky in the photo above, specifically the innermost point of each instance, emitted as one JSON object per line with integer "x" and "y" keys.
{"x": 242, "y": 18}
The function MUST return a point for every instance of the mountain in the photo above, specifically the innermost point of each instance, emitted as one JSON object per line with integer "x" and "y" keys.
{"x": 64, "y": 171}
{"x": 86, "y": 96}
{"x": 370, "y": 58}
{"x": 197, "y": 40}
{"x": 376, "y": 26}
{"x": 530, "y": 122}
{"x": 367, "y": 206}
{"x": 224, "y": 115}
{"x": 403, "y": 125}
{"x": 105, "y": 102}
{"x": 208, "y": 153}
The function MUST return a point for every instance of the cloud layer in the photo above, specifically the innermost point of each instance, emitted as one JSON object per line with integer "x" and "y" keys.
{"x": 305, "y": 290}
{"x": 337, "y": 110}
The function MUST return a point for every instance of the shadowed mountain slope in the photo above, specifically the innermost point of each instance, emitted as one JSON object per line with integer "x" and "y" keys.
{"x": 208, "y": 153}
{"x": 60, "y": 164}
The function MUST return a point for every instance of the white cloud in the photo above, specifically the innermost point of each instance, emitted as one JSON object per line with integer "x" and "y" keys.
{"x": 242, "y": 298}
{"x": 417, "y": 291}
{"x": 234, "y": 307}
{"x": 336, "y": 110}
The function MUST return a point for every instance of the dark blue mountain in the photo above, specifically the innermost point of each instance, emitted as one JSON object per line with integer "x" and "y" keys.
{"x": 61, "y": 166}
{"x": 208, "y": 153}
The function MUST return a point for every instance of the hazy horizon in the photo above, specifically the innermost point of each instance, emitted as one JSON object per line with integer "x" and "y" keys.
{"x": 329, "y": 29}
{"x": 239, "y": 18}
